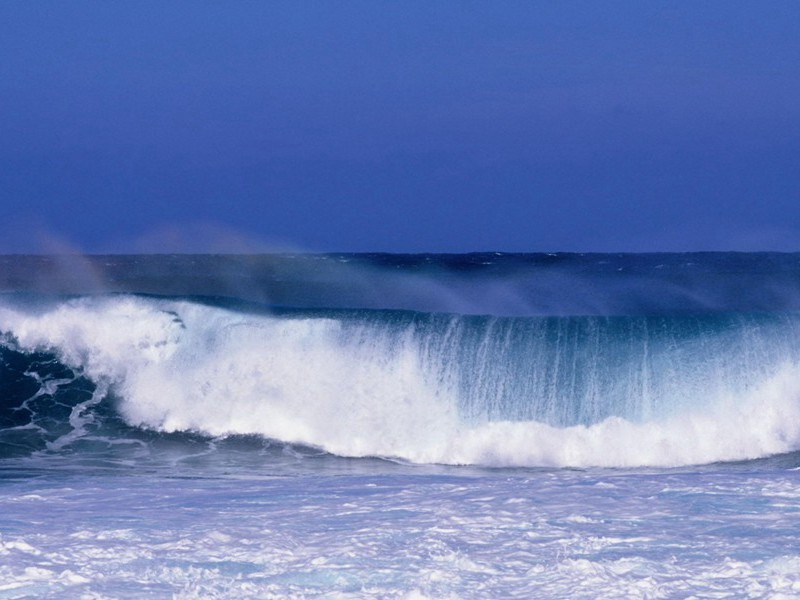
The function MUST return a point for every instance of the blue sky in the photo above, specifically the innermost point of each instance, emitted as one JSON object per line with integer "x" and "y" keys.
{"x": 399, "y": 126}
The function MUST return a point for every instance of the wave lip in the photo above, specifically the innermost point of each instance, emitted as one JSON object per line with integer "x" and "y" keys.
{"x": 431, "y": 389}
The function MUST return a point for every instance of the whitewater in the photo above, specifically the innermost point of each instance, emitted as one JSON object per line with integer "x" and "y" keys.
{"x": 419, "y": 426}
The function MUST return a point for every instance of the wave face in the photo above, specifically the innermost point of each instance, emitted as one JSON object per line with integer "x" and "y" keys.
{"x": 617, "y": 390}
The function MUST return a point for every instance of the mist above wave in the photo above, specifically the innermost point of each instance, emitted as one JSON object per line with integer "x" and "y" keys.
{"x": 476, "y": 283}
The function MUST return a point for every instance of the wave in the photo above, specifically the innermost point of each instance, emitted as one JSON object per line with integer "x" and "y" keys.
{"x": 422, "y": 387}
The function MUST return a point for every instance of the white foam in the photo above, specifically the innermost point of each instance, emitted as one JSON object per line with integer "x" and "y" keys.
{"x": 765, "y": 422}
{"x": 182, "y": 366}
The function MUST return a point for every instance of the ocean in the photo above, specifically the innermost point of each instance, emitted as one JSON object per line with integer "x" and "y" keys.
{"x": 484, "y": 425}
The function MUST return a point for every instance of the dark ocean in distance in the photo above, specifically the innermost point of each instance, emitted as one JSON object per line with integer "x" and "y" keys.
{"x": 405, "y": 426}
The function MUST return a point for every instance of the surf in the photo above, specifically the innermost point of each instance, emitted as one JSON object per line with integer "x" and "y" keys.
{"x": 431, "y": 387}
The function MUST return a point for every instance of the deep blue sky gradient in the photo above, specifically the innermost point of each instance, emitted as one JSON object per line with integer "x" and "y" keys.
{"x": 400, "y": 126}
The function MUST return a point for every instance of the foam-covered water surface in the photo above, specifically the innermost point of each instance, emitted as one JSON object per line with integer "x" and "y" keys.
{"x": 545, "y": 534}
{"x": 400, "y": 426}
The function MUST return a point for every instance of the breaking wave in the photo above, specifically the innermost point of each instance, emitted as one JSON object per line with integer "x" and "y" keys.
{"x": 422, "y": 387}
